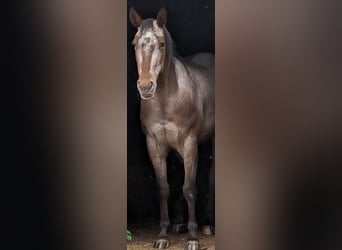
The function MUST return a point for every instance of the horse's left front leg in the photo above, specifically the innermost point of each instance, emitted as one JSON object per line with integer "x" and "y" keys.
{"x": 190, "y": 156}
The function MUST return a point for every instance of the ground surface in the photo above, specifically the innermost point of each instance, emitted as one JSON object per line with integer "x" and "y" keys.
{"x": 144, "y": 237}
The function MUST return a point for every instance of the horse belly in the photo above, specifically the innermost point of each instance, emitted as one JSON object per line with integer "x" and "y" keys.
{"x": 208, "y": 129}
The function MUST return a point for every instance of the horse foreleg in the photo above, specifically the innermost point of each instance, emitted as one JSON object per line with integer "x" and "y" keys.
{"x": 190, "y": 156}
{"x": 158, "y": 157}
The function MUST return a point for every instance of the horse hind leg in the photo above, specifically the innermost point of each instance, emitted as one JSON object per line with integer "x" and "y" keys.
{"x": 209, "y": 227}
{"x": 179, "y": 225}
{"x": 158, "y": 157}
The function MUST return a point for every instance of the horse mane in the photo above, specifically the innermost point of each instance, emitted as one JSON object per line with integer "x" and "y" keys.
{"x": 170, "y": 48}
{"x": 171, "y": 52}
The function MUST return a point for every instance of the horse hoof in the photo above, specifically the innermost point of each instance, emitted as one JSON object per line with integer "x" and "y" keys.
{"x": 179, "y": 228}
{"x": 161, "y": 244}
{"x": 192, "y": 245}
{"x": 206, "y": 230}
{"x": 212, "y": 229}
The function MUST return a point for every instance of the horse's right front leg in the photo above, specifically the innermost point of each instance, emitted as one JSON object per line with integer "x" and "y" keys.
{"x": 158, "y": 154}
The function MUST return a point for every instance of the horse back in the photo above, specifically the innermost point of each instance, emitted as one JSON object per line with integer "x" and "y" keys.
{"x": 204, "y": 59}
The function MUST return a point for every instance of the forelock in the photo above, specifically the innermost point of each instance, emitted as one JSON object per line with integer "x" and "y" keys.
{"x": 159, "y": 31}
{"x": 146, "y": 25}
{"x": 150, "y": 25}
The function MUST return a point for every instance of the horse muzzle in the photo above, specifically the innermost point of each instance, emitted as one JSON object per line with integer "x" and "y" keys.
{"x": 146, "y": 90}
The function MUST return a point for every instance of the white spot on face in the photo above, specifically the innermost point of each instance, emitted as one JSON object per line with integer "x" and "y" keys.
{"x": 158, "y": 31}
{"x": 147, "y": 41}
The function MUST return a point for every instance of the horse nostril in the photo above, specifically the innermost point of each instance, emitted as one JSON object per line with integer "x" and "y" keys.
{"x": 151, "y": 84}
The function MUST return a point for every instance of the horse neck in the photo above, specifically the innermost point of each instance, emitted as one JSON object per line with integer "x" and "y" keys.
{"x": 167, "y": 80}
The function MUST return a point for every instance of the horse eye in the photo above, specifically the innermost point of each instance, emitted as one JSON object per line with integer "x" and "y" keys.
{"x": 162, "y": 44}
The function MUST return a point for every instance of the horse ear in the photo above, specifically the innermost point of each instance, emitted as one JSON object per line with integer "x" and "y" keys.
{"x": 161, "y": 17}
{"x": 134, "y": 17}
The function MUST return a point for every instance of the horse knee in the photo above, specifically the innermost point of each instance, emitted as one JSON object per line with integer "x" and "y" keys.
{"x": 189, "y": 193}
{"x": 164, "y": 191}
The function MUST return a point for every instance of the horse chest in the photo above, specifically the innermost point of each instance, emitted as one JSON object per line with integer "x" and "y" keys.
{"x": 168, "y": 132}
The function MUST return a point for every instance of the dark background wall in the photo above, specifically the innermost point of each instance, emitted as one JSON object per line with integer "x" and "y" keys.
{"x": 192, "y": 27}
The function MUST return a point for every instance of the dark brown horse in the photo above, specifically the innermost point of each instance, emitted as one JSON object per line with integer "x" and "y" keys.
{"x": 177, "y": 111}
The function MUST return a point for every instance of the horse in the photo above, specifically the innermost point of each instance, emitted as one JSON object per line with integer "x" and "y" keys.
{"x": 177, "y": 111}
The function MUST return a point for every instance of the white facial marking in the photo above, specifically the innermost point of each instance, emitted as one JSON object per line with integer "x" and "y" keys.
{"x": 148, "y": 47}
{"x": 149, "y": 54}
{"x": 158, "y": 31}
{"x": 148, "y": 38}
